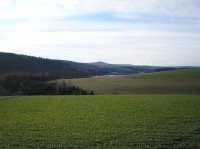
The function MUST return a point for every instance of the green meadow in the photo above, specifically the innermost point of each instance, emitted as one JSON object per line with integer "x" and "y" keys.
{"x": 109, "y": 121}
{"x": 185, "y": 81}
{"x": 158, "y": 110}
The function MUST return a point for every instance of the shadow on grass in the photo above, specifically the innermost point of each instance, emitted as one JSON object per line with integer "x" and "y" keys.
{"x": 7, "y": 97}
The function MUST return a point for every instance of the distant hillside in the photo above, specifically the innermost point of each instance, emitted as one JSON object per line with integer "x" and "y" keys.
{"x": 182, "y": 73}
{"x": 113, "y": 69}
{"x": 13, "y": 63}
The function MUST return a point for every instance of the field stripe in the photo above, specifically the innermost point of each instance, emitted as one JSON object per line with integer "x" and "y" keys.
{"x": 7, "y": 97}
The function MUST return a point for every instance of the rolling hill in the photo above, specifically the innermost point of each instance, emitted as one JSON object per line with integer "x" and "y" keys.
{"x": 166, "y": 82}
{"x": 13, "y": 63}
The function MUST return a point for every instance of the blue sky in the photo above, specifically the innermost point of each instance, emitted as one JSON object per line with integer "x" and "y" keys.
{"x": 139, "y": 32}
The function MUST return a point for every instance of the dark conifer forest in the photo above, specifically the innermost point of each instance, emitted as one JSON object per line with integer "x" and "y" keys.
{"x": 21, "y": 84}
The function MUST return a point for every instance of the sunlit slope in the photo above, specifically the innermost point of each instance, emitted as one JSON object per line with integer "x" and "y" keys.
{"x": 175, "y": 81}
{"x": 182, "y": 73}
{"x": 120, "y": 121}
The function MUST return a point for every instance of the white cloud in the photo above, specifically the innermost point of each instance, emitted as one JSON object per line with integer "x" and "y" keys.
{"x": 120, "y": 8}
{"x": 29, "y": 9}
{"x": 136, "y": 47}
{"x": 133, "y": 8}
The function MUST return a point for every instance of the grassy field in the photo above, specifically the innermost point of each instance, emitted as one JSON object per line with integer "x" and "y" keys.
{"x": 182, "y": 73}
{"x": 185, "y": 81}
{"x": 112, "y": 121}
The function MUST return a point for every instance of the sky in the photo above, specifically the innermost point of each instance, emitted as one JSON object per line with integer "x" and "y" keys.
{"x": 138, "y": 32}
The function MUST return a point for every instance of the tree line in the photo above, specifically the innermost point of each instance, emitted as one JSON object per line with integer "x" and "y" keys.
{"x": 21, "y": 84}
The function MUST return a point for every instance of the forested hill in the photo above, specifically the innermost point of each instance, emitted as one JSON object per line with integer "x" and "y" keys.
{"x": 13, "y": 63}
